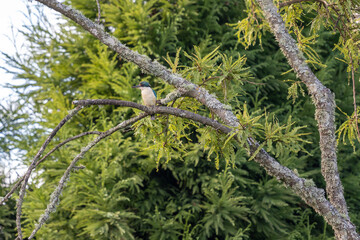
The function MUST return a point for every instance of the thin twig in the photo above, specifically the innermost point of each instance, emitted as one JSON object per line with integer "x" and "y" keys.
{"x": 17, "y": 184}
{"x": 99, "y": 12}
{"x": 32, "y": 166}
{"x": 283, "y": 4}
{"x": 255, "y": 83}
{"x": 154, "y": 110}
{"x": 55, "y": 196}
{"x": 165, "y": 131}
{"x": 208, "y": 79}
{"x": 354, "y": 94}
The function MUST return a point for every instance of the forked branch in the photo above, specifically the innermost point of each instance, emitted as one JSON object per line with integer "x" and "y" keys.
{"x": 55, "y": 196}
{"x": 32, "y": 166}
{"x": 324, "y": 101}
{"x": 17, "y": 184}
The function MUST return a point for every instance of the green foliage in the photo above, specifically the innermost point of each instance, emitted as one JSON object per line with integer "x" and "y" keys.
{"x": 304, "y": 228}
{"x": 293, "y": 91}
{"x": 278, "y": 137}
{"x": 162, "y": 227}
{"x": 268, "y": 199}
{"x": 169, "y": 132}
{"x": 348, "y": 130}
{"x": 12, "y": 117}
{"x": 229, "y": 72}
{"x": 212, "y": 147}
{"x": 224, "y": 208}
{"x": 251, "y": 28}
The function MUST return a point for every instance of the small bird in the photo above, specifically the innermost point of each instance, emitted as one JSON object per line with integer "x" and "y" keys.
{"x": 148, "y": 95}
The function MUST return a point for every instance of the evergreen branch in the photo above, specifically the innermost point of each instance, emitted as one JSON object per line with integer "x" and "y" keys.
{"x": 324, "y": 103}
{"x": 32, "y": 166}
{"x": 55, "y": 196}
{"x": 17, "y": 184}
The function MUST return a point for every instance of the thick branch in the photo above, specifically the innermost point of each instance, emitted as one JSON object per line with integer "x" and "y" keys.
{"x": 311, "y": 195}
{"x": 324, "y": 102}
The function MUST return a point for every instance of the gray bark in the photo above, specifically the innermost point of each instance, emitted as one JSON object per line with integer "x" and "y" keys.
{"x": 323, "y": 100}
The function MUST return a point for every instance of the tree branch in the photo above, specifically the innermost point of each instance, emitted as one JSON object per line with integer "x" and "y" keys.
{"x": 17, "y": 184}
{"x": 324, "y": 103}
{"x": 156, "y": 110}
{"x": 32, "y": 166}
{"x": 55, "y": 196}
{"x": 170, "y": 97}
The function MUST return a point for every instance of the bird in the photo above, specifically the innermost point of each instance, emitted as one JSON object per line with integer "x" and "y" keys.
{"x": 148, "y": 95}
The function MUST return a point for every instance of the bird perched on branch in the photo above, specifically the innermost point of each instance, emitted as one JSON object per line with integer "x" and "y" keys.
{"x": 148, "y": 95}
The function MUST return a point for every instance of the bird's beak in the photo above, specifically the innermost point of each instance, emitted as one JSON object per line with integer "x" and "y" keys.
{"x": 136, "y": 86}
